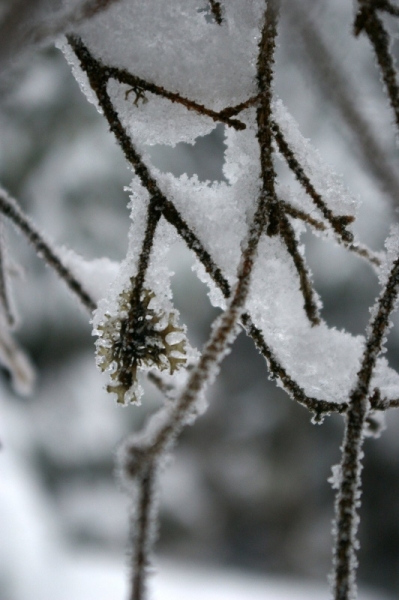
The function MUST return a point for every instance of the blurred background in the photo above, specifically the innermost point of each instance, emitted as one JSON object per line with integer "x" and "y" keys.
{"x": 247, "y": 486}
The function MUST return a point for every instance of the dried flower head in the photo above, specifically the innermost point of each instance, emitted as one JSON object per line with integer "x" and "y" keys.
{"x": 141, "y": 337}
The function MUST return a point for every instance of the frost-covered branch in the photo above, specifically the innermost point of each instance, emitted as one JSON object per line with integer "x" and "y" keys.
{"x": 216, "y": 10}
{"x": 143, "y": 531}
{"x": 338, "y": 223}
{"x": 4, "y": 288}
{"x": 368, "y": 21}
{"x": 348, "y": 495}
{"x": 288, "y": 235}
{"x": 10, "y": 209}
{"x": 338, "y": 88}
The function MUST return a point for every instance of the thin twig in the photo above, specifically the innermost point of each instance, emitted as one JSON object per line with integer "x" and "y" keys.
{"x": 10, "y": 209}
{"x": 348, "y": 495}
{"x": 318, "y": 407}
{"x": 95, "y": 71}
{"x": 339, "y": 223}
{"x": 338, "y": 88}
{"x": 99, "y": 74}
{"x": 356, "y": 247}
{"x": 368, "y": 21}
{"x": 172, "y": 215}
{"x": 296, "y": 213}
{"x": 310, "y": 303}
{"x": 378, "y": 403}
{"x": 4, "y": 291}
{"x": 216, "y": 10}
{"x": 142, "y": 532}
{"x": 232, "y": 111}
{"x": 167, "y": 389}
{"x": 388, "y": 7}
{"x": 264, "y": 122}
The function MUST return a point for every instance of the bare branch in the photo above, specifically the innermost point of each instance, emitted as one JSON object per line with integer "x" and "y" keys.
{"x": 338, "y": 88}
{"x": 143, "y": 532}
{"x": 216, "y": 10}
{"x": 368, "y": 21}
{"x": 4, "y": 292}
{"x": 339, "y": 223}
{"x": 310, "y": 305}
{"x": 348, "y": 495}
{"x": 10, "y": 209}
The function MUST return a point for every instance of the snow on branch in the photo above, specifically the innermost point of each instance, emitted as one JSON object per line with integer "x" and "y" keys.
{"x": 162, "y": 73}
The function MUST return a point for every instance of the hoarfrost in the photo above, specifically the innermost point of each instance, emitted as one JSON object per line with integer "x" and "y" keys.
{"x": 336, "y": 477}
{"x": 392, "y": 253}
{"x": 15, "y": 361}
{"x": 327, "y": 183}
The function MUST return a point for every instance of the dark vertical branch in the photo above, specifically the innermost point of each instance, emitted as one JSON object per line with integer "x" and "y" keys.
{"x": 4, "y": 291}
{"x": 310, "y": 303}
{"x": 153, "y": 216}
{"x": 368, "y": 21}
{"x": 216, "y": 10}
{"x": 348, "y": 495}
{"x": 264, "y": 117}
{"x": 338, "y": 88}
{"x": 143, "y": 532}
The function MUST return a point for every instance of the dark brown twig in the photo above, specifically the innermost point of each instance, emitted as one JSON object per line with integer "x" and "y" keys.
{"x": 143, "y": 532}
{"x": 264, "y": 122}
{"x": 348, "y": 495}
{"x": 338, "y": 88}
{"x": 99, "y": 75}
{"x": 4, "y": 291}
{"x": 319, "y": 408}
{"x": 368, "y": 21}
{"x": 310, "y": 304}
{"x": 232, "y": 111}
{"x": 356, "y": 248}
{"x": 216, "y": 10}
{"x": 388, "y": 7}
{"x": 10, "y": 209}
{"x": 296, "y": 213}
{"x": 339, "y": 223}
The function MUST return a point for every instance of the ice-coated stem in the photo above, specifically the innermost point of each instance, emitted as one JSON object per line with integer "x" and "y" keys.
{"x": 368, "y": 21}
{"x": 348, "y": 494}
{"x": 143, "y": 532}
{"x": 338, "y": 88}
{"x": 4, "y": 291}
{"x": 10, "y": 209}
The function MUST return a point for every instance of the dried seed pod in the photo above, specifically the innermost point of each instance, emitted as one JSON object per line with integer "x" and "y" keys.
{"x": 138, "y": 339}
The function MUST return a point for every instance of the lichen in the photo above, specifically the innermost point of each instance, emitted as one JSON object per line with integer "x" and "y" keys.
{"x": 137, "y": 339}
